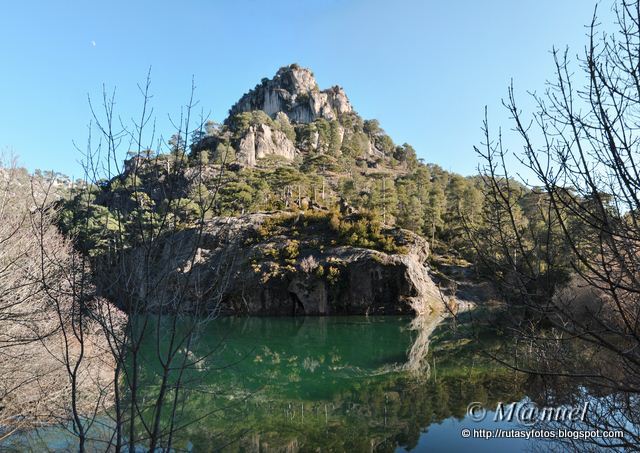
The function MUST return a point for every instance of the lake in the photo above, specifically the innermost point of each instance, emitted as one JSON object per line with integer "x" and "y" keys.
{"x": 333, "y": 384}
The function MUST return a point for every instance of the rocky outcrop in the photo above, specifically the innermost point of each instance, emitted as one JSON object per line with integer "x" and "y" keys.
{"x": 236, "y": 267}
{"x": 261, "y": 141}
{"x": 294, "y": 91}
{"x": 289, "y": 115}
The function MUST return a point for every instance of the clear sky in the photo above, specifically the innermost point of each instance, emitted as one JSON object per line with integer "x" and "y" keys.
{"x": 424, "y": 68}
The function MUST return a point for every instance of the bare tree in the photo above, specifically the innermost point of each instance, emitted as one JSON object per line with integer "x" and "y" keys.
{"x": 151, "y": 263}
{"x": 567, "y": 247}
{"x": 134, "y": 235}
{"x": 54, "y": 367}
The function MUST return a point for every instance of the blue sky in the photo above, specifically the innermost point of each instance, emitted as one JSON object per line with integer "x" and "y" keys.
{"x": 424, "y": 68}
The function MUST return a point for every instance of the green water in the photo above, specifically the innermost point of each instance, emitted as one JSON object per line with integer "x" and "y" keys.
{"x": 339, "y": 384}
{"x": 323, "y": 384}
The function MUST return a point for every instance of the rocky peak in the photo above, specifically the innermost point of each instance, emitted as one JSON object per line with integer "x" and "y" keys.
{"x": 295, "y": 79}
{"x": 294, "y": 92}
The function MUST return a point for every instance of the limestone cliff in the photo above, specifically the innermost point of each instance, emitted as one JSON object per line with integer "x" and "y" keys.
{"x": 290, "y": 116}
{"x": 295, "y": 92}
{"x": 283, "y": 264}
{"x": 261, "y": 141}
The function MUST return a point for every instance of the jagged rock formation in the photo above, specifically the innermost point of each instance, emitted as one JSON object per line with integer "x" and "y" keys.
{"x": 289, "y": 116}
{"x": 240, "y": 269}
{"x": 327, "y": 260}
{"x": 294, "y": 91}
{"x": 261, "y": 141}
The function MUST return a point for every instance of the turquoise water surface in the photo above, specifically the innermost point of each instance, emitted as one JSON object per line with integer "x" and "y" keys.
{"x": 329, "y": 384}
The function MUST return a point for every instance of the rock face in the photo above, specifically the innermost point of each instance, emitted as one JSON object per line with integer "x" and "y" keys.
{"x": 294, "y": 91}
{"x": 290, "y": 116}
{"x": 261, "y": 141}
{"x": 235, "y": 268}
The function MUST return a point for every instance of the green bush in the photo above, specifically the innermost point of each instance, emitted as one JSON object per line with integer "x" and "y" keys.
{"x": 292, "y": 250}
{"x": 333, "y": 275}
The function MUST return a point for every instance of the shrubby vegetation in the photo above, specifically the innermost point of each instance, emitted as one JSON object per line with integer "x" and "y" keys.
{"x": 344, "y": 162}
{"x": 363, "y": 229}
{"x": 349, "y": 176}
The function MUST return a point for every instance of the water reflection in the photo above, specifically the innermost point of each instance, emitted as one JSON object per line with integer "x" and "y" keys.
{"x": 339, "y": 384}
{"x": 418, "y": 356}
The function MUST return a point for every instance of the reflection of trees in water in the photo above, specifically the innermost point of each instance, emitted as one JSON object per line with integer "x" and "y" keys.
{"x": 380, "y": 415}
{"x": 572, "y": 372}
{"x": 376, "y": 409}
{"x": 608, "y": 410}
{"x": 375, "y": 412}
{"x": 363, "y": 412}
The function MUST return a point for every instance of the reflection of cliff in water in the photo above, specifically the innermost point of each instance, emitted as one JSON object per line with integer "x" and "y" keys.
{"x": 341, "y": 384}
{"x": 418, "y": 356}
{"x": 335, "y": 384}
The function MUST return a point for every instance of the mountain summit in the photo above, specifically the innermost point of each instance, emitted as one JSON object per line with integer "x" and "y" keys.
{"x": 290, "y": 118}
{"x": 295, "y": 92}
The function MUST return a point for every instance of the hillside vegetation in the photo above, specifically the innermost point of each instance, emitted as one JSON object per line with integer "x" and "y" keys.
{"x": 338, "y": 162}
{"x": 289, "y": 146}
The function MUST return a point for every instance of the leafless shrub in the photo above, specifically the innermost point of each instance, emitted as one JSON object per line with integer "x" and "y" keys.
{"x": 45, "y": 350}
{"x": 309, "y": 264}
